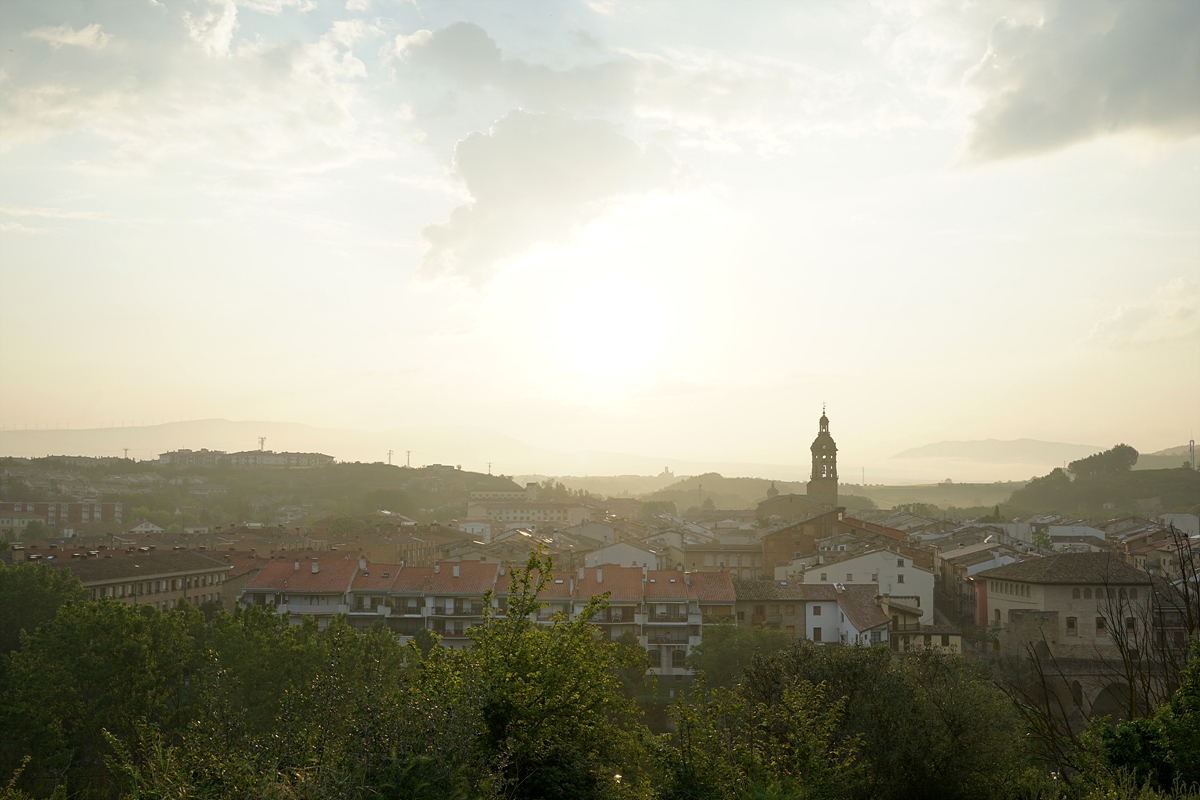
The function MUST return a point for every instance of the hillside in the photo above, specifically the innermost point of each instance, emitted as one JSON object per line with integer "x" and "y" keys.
{"x": 1132, "y": 492}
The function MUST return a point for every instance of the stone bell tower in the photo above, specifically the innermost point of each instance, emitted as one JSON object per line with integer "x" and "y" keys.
{"x": 823, "y": 485}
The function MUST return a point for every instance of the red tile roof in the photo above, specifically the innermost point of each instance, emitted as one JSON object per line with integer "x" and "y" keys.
{"x": 334, "y": 575}
{"x": 412, "y": 579}
{"x": 712, "y": 587}
{"x": 624, "y": 583}
{"x": 665, "y": 584}
{"x": 376, "y": 577}
{"x": 475, "y": 578}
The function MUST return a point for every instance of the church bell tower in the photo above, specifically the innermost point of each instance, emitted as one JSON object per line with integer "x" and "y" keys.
{"x": 823, "y": 485}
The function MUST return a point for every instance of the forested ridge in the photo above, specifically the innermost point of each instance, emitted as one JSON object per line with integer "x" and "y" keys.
{"x": 105, "y": 700}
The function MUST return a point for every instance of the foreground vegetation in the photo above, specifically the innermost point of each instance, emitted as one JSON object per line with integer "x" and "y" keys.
{"x": 105, "y": 700}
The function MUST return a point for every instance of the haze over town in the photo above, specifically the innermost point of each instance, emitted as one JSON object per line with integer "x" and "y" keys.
{"x": 605, "y": 226}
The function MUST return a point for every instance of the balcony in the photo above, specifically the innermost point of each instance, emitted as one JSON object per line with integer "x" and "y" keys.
{"x": 666, "y": 638}
{"x": 458, "y": 611}
{"x": 669, "y": 618}
{"x": 615, "y": 616}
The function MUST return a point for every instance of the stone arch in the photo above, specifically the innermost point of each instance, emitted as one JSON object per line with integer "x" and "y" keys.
{"x": 1110, "y": 701}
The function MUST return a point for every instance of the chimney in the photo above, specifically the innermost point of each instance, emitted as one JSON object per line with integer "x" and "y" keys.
{"x": 362, "y": 563}
{"x": 437, "y": 568}
{"x": 454, "y": 570}
{"x": 599, "y": 575}
{"x": 581, "y": 573}
{"x": 315, "y": 568}
{"x": 295, "y": 568}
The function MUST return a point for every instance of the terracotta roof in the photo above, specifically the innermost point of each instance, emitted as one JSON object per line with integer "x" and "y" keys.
{"x": 665, "y": 584}
{"x": 857, "y": 602}
{"x": 712, "y": 587}
{"x": 412, "y": 579}
{"x": 376, "y": 577}
{"x": 1069, "y": 568}
{"x": 624, "y": 583}
{"x": 475, "y": 578}
{"x": 334, "y": 576}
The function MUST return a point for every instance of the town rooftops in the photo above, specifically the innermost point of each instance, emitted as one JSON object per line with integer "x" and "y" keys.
{"x": 666, "y": 585}
{"x": 857, "y": 602}
{"x": 1069, "y": 568}
{"x": 376, "y": 577}
{"x": 761, "y": 589}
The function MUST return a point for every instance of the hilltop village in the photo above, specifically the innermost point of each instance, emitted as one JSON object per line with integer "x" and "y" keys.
{"x": 798, "y": 563}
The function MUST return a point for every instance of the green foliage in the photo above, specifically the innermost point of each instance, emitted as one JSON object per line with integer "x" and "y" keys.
{"x": 1160, "y": 751}
{"x": 929, "y": 725}
{"x": 729, "y": 746}
{"x": 1119, "y": 459}
{"x": 727, "y": 650}
{"x": 1056, "y": 492}
{"x": 31, "y": 594}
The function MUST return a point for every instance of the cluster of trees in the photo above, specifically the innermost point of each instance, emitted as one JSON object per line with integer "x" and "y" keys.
{"x": 1118, "y": 459}
{"x": 107, "y": 700}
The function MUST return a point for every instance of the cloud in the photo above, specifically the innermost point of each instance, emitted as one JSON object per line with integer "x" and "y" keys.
{"x": 536, "y": 179}
{"x": 714, "y": 87}
{"x": 1171, "y": 314}
{"x": 1086, "y": 69}
{"x": 213, "y": 28}
{"x": 90, "y": 38}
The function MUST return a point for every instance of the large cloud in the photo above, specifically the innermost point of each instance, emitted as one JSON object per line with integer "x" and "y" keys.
{"x": 534, "y": 179}
{"x": 1171, "y": 314}
{"x": 718, "y": 88}
{"x": 1087, "y": 68}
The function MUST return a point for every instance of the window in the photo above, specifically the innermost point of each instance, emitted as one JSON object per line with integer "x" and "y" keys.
{"x": 758, "y": 611}
{"x": 1075, "y": 594}
{"x": 790, "y": 609}
{"x": 1130, "y": 625}
{"x": 849, "y": 577}
{"x": 1071, "y": 629}
{"x": 677, "y": 658}
{"x": 823, "y": 577}
{"x": 900, "y": 578}
{"x": 1100, "y": 629}
{"x": 741, "y": 616}
{"x": 816, "y": 611}
{"x": 791, "y": 630}
{"x": 899, "y": 562}
{"x": 875, "y": 577}
{"x": 816, "y": 634}
{"x": 945, "y": 640}
{"x": 875, "y": 637}
{"x": 655, "y": 658}
{"x": 774, "y": 609}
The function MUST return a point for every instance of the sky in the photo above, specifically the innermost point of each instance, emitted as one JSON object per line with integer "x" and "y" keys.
{"x": 670, "y": 229}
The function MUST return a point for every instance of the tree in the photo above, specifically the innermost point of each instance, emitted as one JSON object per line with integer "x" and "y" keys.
{"x": 31, "y": 594}
{"x": 1119, "y": 459}
{"x": 36, "y": 529}
{"x": 726, "y": 650}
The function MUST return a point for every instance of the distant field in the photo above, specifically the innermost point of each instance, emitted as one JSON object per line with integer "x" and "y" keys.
{"x": 962, "y": 495}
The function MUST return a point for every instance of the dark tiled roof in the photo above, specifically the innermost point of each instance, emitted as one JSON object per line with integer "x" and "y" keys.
{"x": 474, "y": 578}
{"x": 138, "y": 565}
{"x": 625, "y": 583}
{"x": 665, "y": 584}
{"x": 333, "y": 576}
{"x": 774, "y": 590}
{"x": 857, "y": 602}
{"x": 1069, "y": 568}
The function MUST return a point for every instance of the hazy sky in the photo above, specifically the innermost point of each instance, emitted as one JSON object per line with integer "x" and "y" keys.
{"x": 662, "y": 228}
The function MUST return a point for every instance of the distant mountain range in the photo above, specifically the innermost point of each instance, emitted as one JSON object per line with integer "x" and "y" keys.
{"x": 997, "y": 451}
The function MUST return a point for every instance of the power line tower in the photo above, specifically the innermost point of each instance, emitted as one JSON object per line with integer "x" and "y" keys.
{"x": 489, "y": 468}
{"x": 408, "y": 458}
{"x": 126, "y": 453}
{"x": 389, "y": 458}
{"x": 262, "y": 440}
